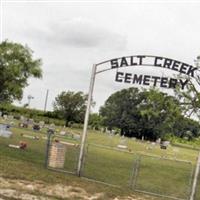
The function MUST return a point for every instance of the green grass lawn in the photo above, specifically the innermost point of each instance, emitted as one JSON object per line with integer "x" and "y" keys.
{"x": 29, "y": 164}
{"x": 164, "y": 177}
{"x": 103, "y": 162}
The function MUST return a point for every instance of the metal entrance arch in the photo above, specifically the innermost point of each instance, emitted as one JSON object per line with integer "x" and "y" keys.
{"x": 128, "y": 61}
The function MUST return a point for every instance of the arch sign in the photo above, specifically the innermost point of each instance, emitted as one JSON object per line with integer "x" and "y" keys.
{"x": 150, "y": 80}
{"x": 141, "y": 79}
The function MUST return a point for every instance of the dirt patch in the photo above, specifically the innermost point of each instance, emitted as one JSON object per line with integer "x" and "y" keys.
{"x": 14, "y": 194}
{"x": 37, "y": 190}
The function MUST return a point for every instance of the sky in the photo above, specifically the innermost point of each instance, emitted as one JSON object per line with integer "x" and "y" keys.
{"x": 71, "y": 36}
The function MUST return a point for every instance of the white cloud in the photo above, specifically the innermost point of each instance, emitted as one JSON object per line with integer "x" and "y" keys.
{"x": 80, "y": 33}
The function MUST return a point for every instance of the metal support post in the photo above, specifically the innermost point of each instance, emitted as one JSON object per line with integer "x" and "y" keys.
{"x": 49, "y": 136}
{"x": 194, "y": 185}
{"x": 46, "y": 98}
{"x": 135, "y": 172}
{"x": 84, "y": 134}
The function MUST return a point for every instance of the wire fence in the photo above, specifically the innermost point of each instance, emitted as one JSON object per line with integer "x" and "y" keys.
{"x": 166, "y": 178}
{"x": 108, "y": 165}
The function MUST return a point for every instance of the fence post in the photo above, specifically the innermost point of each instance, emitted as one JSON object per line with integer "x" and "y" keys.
{"x": 136, "y": 166}
{"x": 49, "y": 134}
{"x": 194, "y": 185}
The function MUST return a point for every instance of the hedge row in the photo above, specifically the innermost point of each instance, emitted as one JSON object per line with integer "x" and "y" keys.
{"x": 38, "y": 115}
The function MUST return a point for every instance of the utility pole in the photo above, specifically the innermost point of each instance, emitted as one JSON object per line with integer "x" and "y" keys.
{"x": 29, "y": 100}
{"x": 45, "y": 104}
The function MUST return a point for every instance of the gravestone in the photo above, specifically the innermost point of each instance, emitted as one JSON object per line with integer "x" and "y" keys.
{"x": 158, "y": 141}
{"x": 5, "y": 117}
{"x": 108, "y": 131}
{"x": 24, "y": 124}
{"x": 164, "y": 144}
{"x": 62, "y": 132}
{"x": 151, "y": 145}
{"x": 36, "y": 127}
{"x": 30, "y": 121}
{"x": 41, "y": 124}
{"x": 52, "y": 126}
{"x": 4, "y": 131}
{"x": 102, "y": 130}
{"x": 22, "y": 118}
{"x": 122, "y": 143}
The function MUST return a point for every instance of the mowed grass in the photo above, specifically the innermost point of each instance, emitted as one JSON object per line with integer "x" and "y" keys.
{"x": 108, "y": 165}
{"x": 137, "y": 146}
{"x": 29, "y": 165}
{"x": 155, "y": 175}
{"x": 164, "y": 177}
{"x": 103, "y": 162}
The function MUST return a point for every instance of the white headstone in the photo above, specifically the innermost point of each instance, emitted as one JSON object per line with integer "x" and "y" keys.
{"x": 122, "y": 143}
{"x": 5, "y": 117}
{"x": 4, "y": 132}
{"x": 52, "y": 126}
{"x": 62, "y": 132}
{"x": 158, "y": 141}
{"x": 41, "y": 124}
{"x": 22, "y": 118}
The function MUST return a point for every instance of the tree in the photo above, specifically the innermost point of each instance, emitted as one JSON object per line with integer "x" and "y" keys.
{"x": 95, "y": 121}
{"x": 159, "y": 113}
{"x": 151, "y": 114}
{"x": 184, "y": 125}
{"x": 71, "y": 106}
{"x": 16, "y": 66}
{"x": 120, "y": 110}
{"x": 190, "y": 96}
